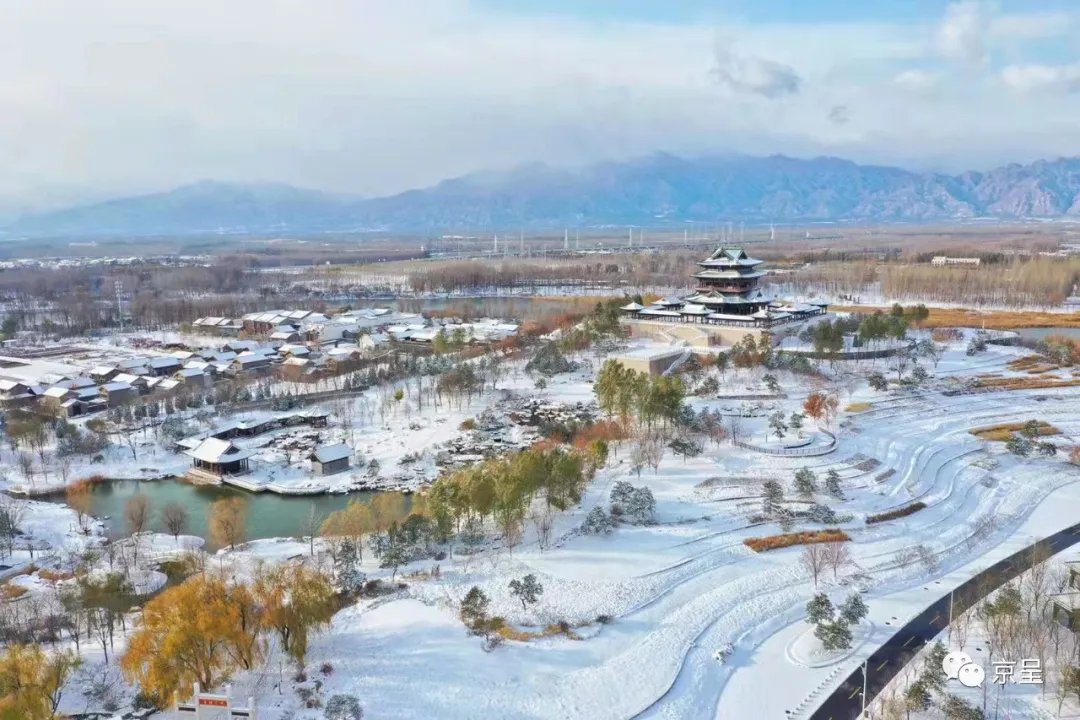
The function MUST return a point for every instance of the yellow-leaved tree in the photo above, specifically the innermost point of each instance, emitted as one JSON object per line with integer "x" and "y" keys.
{"x": 201, "y": 631}
{"x": 352, "y": 522}
{"x": 296, "y": 600}
{"x": 228, "y": 521}
{"x": 32, "y": 681}
{"x": 386, "y": 509}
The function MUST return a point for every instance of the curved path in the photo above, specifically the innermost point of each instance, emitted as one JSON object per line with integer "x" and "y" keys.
{"x": 930, "y": 445}
{"x": 846, "y": 701}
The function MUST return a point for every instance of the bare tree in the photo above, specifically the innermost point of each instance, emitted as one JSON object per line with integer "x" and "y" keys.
{"x": 175, "y": 518}
{"x": 735, "y": 427}
{"x": 652, "y": 450}
{"x": 813, "y": 559}
{"x": 137, "y": 513}
{"x": 26, "y": 465}
{"x": 960, "y": 627}
{"x": 311, "y": 528}
{"x": 11, "y": 517}
{"x": 837, "y": 556}
{"x": 137, "y": 517}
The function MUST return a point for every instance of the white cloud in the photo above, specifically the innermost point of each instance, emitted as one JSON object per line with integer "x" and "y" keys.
{"x": 921, "y": 81}
{"x": 1031, "y": 26}
{"x": 754, "y": 75}
{"x": 962, "y": 34}
{"x": 374, "y": 97}
{"x": 1050, "y": 78}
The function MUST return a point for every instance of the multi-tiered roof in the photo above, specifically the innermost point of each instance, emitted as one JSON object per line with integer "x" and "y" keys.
{"x": 728, "y": 283}
{"x": 727, "y": 293}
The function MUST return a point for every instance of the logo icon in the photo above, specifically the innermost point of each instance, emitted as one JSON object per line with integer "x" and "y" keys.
{"x": 953, "y": 662}
{"x": 971, "y": 675}
{"x": 959, "y": 666}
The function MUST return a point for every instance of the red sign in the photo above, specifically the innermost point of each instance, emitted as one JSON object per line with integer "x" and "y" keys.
{"x": 214, "y": 702}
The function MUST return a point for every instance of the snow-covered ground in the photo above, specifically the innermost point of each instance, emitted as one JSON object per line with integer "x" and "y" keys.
{"x": 678, "y": 590}
{"x": 650, "y": 605}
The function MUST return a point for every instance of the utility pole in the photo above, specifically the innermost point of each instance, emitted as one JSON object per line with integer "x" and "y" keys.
{"x": 119, "y": 285}
{"x": 630, "y": 238}
{"x": 566, "y": 240}
{"x": 495, "y": 251}
{"x": 950, "y": 614}
{"x": 865, "y": 683}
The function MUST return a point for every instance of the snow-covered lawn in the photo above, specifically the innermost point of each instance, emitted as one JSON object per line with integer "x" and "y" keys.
{"x": 653, "y": 603}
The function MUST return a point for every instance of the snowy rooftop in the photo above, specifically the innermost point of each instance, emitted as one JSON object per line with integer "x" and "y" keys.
{"x": 213, "y": 450}
{"x": 330, "y": 453}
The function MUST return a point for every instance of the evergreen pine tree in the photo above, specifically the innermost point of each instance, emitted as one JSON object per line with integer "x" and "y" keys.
{"x": 854, "y": 609}
{"x": 819, "y": 609}
{"x": 832, "y": 484}
{"x": 805, "y": 483}
{"x": 774, "y": 495}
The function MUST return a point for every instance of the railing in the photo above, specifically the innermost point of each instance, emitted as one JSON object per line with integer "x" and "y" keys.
{"x": 808, "y": 451}
{"x": 729, "y": 322}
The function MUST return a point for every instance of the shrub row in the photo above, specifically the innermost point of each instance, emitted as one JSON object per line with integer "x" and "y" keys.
{"x": 775, "y": 542}
{"x": 897, "y": 513}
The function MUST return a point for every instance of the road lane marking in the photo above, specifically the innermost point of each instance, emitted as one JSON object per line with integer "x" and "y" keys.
{"x": 883, "y": 664}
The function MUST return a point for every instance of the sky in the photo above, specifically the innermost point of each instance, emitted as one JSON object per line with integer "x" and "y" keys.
{"x": 109, "y": 97}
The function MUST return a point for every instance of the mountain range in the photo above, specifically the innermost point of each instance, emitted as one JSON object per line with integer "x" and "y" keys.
{"x": 654, "y": 191}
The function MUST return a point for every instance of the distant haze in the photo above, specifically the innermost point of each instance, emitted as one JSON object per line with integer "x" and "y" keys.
{"x": 659, "y": 190}
{"x": 358, "y": 97}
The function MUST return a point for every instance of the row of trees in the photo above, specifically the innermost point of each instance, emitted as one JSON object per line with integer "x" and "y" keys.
{"x": 503, "y": 490}
{"x": 173, "y": 645}
{"x": 1017, "y": 621}
{"x": 638, "y": 397}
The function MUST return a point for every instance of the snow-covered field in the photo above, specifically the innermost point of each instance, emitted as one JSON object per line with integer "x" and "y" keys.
{"x": 651, "y": 604}
{"x": 678, "y": 590}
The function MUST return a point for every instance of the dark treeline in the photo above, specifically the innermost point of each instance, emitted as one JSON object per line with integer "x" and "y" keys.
{"x": 76, "y": 300}
{"x": 638, "y": 270}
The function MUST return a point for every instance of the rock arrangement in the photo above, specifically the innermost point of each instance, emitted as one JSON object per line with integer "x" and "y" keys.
{"x": 533, "y": 413}
{"x": 512, "y": 425}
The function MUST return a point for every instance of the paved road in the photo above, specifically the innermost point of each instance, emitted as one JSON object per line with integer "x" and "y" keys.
{"x": 846, "y": 701}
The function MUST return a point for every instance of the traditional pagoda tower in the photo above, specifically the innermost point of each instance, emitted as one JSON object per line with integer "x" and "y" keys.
{"x": 727, "y": 296}
{"x": 728, "y": 283}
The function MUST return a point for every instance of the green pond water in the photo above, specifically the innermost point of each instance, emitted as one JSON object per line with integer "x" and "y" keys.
{"x": 269, "y": 515}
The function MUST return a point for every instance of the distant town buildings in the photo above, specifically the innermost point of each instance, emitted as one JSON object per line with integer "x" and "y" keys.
{"x": 942, "y": 260}
{"x": 294, "y": 343}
